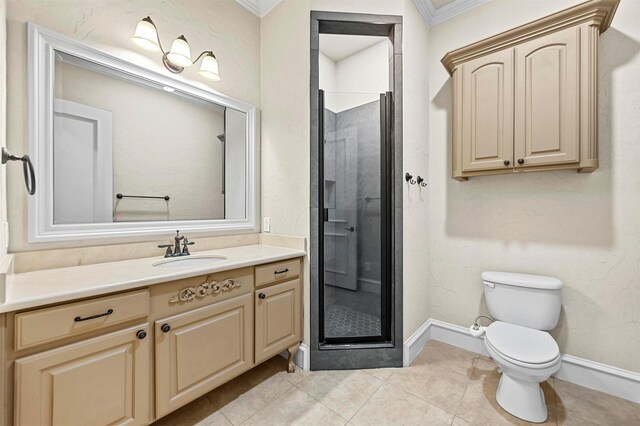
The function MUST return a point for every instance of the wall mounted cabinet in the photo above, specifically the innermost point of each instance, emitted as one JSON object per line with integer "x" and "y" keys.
{"x": 527, "y": 99}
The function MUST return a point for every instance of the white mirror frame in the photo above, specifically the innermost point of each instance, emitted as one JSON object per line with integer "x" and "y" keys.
{"x": 41, "y": 63}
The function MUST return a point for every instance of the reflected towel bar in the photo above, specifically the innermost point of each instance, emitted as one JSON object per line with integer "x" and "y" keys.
{"x": 120, "y": 197}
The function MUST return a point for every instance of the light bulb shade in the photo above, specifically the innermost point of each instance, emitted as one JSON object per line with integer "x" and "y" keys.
{"x": 180, "y": 53}
{"x": 209, "y": 67}
{"x": 146, "y": 35}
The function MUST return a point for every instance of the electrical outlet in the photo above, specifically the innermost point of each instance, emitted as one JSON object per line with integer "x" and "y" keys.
{"x": 367, "y": 266}
{"x": 266, "y": 224}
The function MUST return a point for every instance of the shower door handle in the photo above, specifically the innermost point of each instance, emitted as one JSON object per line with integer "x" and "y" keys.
{"x": 350, "y": 229}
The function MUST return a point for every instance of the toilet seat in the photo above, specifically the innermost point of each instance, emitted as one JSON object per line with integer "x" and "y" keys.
{"x": 522, "y": 346}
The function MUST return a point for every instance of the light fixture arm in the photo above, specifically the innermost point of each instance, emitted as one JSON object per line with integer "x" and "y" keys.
{"x": 204, "y": 53}
{"x": 164, "y": 53}
{"x": 208, "y": 69}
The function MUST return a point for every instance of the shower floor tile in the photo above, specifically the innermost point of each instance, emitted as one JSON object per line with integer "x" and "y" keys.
{"x": 342, "y": 321}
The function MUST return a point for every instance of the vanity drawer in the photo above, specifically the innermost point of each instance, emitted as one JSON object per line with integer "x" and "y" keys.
{"x": 58, "y": 322}
{"x": 278, "y": 271}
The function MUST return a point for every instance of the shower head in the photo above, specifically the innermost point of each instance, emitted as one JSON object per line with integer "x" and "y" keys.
{"x": 221, "y": 137}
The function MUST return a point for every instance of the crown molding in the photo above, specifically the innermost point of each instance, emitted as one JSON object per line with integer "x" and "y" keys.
{"x": 435, "y": 16}
{"x": 259, "y": 8}
{"x": 595, "y": 12}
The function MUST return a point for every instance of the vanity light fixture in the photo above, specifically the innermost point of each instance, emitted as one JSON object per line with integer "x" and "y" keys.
{"x": 179, "y": 56}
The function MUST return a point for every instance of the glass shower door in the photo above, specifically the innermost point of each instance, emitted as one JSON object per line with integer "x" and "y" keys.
{"x": 355, "y": 290}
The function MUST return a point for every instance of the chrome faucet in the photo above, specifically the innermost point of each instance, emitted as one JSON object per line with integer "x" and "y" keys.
{"x": 174, "y": 250}
{"x": 177, "y": 239}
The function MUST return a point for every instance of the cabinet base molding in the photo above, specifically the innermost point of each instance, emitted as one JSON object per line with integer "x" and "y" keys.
{"x": 291, "y": 367}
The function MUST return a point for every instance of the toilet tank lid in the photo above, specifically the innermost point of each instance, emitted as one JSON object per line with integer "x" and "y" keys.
{"x": 522, "y": 280}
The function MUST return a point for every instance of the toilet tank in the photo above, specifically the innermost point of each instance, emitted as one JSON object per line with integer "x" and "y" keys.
{"x": 532, "y": 301}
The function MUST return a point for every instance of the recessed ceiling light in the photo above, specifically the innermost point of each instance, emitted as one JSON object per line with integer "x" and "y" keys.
{"x": 168, "y": 89}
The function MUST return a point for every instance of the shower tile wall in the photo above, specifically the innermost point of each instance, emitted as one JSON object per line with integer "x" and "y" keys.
{"x": 366, "y": 119}
{"x": 363, "y": 122}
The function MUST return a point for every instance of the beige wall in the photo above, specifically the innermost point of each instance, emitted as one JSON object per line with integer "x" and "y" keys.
{"x": 286, "y": 137}
{"x": 3, "y": 122}
{"x": 223, "y": 26}
{"x": 582, "y": 228}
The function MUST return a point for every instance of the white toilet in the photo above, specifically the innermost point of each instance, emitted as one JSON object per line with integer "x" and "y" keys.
{"x": 524, "y": 306}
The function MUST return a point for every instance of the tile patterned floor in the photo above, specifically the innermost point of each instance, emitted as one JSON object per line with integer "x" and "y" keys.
{"x": 343, "y": 321}
{"x": 444, "y": 386}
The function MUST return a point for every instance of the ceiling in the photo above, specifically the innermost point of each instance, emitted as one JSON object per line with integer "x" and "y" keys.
{"x": 337, "y": 47}
{"x": 434, "y": 12}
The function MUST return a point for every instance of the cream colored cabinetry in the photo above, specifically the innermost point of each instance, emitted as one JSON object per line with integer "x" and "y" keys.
{"x": 526, "y": 99}
{"x": 278, "y": 310}
{"x": 99, "y": 381}
{"x": 99, "y": 362}
{"x": 278, "y": 319}
{"x": 201, "y": 349}
{"x": 547, "y": 114}
{"x": 487, "y": 107}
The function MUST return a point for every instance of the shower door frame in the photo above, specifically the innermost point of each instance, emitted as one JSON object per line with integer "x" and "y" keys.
{"x": 359, "y": 353}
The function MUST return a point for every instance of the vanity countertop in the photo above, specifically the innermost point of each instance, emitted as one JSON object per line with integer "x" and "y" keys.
{"x": 38, "y": 288}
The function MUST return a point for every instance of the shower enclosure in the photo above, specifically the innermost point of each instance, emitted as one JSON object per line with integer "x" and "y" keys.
{"x": 355, "y": 224}
{"x": 356, "y": 288}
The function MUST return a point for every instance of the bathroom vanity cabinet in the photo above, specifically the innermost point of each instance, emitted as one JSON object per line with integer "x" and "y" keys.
{"x": 527, "y": 99}
{"x": 135, "y": 356}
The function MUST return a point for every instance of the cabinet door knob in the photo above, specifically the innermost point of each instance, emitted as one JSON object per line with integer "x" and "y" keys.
{"x": 507, "y": 162}
{"x": 520, "y": 160}
{"x": 261, "y": 296}
{"x": 141, "y": 334}
{"x": 165, "y": 328}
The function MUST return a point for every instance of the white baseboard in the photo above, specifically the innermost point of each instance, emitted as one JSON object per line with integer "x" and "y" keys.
{"x": 601, "y": 377}
{"x": 415, "y": 343}
{"x": 301, "y": 358}
{"x": 593, "y": 375}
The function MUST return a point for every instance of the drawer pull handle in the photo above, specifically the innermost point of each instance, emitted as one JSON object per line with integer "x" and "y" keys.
{"x": 165, "y": 328}
{"x": 282, "y": 271}
{"x": 141, "y": 334}
{"x": 262, "y": 296}
{"x": 104, "y": 314}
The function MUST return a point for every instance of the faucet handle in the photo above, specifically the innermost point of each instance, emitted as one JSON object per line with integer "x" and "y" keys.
{"x": 185, "y": 248}
{"x": 169, "y": 252}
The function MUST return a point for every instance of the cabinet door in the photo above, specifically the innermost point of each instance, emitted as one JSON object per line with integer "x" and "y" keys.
{"x": 100, "y": 381}
{"x": 201, "y": 349}
{"x": 547, "y": 107}
{"x": 278, "y": 318}
{"x": 487, "y": 112}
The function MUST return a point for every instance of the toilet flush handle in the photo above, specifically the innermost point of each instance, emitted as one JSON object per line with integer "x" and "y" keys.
{"x": 489, "y": 284}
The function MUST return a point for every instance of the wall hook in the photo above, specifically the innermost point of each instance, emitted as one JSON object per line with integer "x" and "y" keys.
{"x": 27, "y": 168}
{"x": 421, "y": 181}
{"x": 409, "y": 178}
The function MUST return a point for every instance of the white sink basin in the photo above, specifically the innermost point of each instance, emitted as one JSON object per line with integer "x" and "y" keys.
{"x": 189, "y": 261}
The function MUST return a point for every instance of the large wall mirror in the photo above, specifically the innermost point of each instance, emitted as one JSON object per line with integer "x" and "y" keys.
{"x": 122, "y": 150}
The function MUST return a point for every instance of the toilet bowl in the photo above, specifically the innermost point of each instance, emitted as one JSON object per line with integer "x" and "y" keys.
{"x": 526, "y": 357}
{"x": 524, "y": 306}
